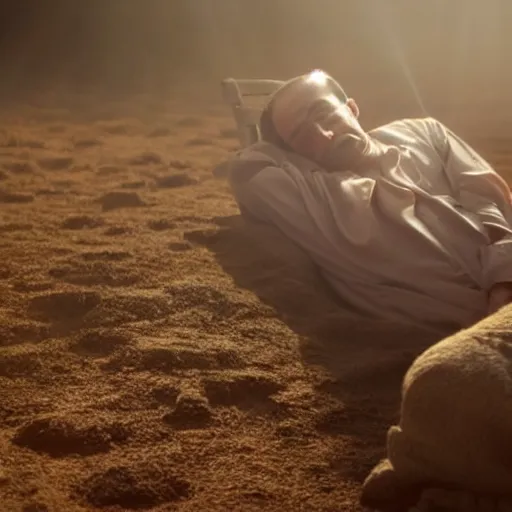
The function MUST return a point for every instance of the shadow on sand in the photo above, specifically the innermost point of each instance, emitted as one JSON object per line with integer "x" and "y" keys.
{"x": 350, "y": 348}
{"x": 362, "y": 361}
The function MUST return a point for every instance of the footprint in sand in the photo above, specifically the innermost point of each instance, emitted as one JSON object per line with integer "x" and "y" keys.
{"x": 106, "y": 256}
{"x": 208, "y": 237}
{"x": 165, "y": 394}
{"x": 176, "y": 180}
{"x": 82, "y": 222}
{"x": 20, "y": 167}
{"x": 22, "y": 363}
{"x": 36, "y": 507}
{"x": 66, "y": 185}
{"x": 14, "y": 142}
{"x": 193, "y": 219}
{"x": 63, "y": 305}
{"x": 187, "y": 295}
{"x": 15, "y": 226}
{"x": 134, "y": 184}
{"x": 243, "y": 390}
{"x": 16, "y": 332}
{"x": 213, "y": 302}
{"x": 55, "y": 163}
{"x": 51, "y": 192}
{"x": 180, "y": 164}
{"x": 6, "y": 273}
{"x": 115, "y": 200}
{"x": 190, "y": 122}
{"x": 294, "y": 430}
{"x": 171, "y": 359}
{"x": 120, "y": 309}
{"x": 118, "y": 128}
{"x": 7, "y": 197}
{"x": 87, "y": 143}
{"x": 58, "y": 437}
{"x": 199, "y": 141}
{"x": 118, "y": 230}
{"x": 146, "y": 158}
{"x": 180, "y": 246}
{"x": 101, "y": 342}
{"x": 343, "y": 420}
{"x": 228, "y": 133}
{"x": 95, "y": 273}
{"x": 160, "y": 132}
{"x": 136, "y": 486}
{"x": 23, "y": 286}
{"x": 57, "y": 128}
{"x": 161, "y": 225}
{"x": 108, "y": 170}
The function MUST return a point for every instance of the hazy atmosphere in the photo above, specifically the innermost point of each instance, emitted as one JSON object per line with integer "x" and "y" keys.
{"x": 458, "y": 50}
{"x": 159, "y": 352}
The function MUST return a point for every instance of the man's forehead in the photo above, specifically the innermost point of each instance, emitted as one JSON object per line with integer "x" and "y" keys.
{"x": 296, "y": 98}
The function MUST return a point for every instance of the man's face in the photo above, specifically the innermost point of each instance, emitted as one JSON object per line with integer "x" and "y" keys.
{"x": 315, "y": 119}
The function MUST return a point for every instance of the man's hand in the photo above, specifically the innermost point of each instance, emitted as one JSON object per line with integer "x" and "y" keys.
{"x": 500, "y": 295}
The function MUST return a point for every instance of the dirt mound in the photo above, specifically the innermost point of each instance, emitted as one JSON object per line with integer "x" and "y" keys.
{"x": 58, "y": 437}
{"x": 190, "y": 412}
{"x": 158, "y": 351}
{"x": 134, "y": 488}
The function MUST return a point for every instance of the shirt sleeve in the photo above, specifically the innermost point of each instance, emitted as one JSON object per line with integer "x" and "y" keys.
{"x": 480, "y": 190}
{"x": 270, "y": 195}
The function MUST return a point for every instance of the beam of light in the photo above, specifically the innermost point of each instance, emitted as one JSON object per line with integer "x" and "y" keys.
{"x": 383, "y": 12}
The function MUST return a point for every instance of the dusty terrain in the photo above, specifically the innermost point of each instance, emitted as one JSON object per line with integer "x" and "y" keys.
{"x": 156, "y": 353}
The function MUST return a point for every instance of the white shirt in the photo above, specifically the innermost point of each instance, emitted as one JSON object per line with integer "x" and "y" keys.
{"x": 419, "y": 240}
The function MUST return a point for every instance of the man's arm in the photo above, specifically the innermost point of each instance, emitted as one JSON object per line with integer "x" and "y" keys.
{"x": 480, "y": 190}
{"x": 266, "y": 193}
{"x": 278, "y": 197}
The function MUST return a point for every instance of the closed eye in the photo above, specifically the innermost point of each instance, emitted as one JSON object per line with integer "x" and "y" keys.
{"x": 320, "y": 108}
{"x": 315, "y": 113}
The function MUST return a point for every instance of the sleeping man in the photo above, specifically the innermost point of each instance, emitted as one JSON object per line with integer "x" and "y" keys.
{"x": 406, "y": 222}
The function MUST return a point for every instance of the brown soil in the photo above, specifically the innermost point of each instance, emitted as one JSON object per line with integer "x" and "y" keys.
{"x": 156, "y": 352}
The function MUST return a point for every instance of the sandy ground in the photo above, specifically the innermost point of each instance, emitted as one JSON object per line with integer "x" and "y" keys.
{"x": 157, "y": 353}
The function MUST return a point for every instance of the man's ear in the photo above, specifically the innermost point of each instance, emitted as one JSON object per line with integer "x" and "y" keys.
{"x": 352, "y": 105}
